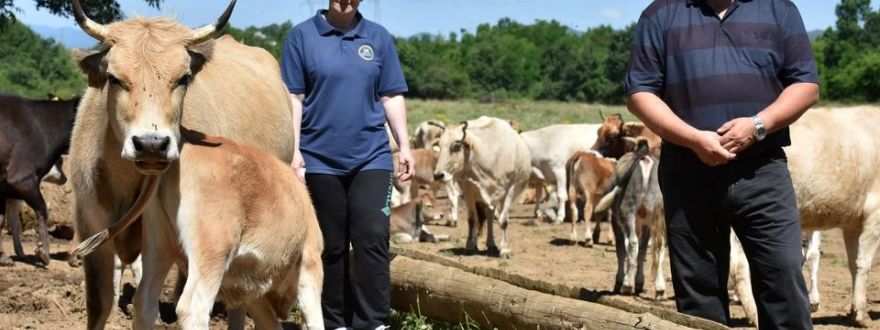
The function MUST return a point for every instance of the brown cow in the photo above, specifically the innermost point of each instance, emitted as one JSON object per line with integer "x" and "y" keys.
{"x": 588, "y": 178}
{"x": 611, "y": 143}
{"x": 152, "y": 77}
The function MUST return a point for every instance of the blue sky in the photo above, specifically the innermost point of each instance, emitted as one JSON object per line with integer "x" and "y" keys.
{"x": 408, "y": 17}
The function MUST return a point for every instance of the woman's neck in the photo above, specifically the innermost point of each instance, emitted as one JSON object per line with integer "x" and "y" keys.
{"x": 343, "y": 22}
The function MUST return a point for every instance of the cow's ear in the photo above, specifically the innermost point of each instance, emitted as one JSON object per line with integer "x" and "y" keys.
{"x": 91, "y": 63}
{"x": 197, "y": 60}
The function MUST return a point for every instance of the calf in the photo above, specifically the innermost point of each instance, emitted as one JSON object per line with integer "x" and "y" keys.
{"x": 611, "y": 135}
{"x": 407, "y": 225}
{"x": 550, "y": 148}
{"x": 490, "y": 163}
{"x": 33, "y": 136}
{"x": 637, "y": 216}
{"x": 426, "y": 160}
{"x": 236, "y": 240}
{"x": 589, "y": 176}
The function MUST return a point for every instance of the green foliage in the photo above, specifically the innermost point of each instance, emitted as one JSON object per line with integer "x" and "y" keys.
{"x": 34, "y": 66}
{"x": 544, "y": 61}
{"x": 270, "y": 37}
{"x": 102, "y": 11}
{"x": 849, "y": 56}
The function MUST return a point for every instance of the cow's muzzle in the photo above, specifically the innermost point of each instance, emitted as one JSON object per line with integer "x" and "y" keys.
{"x": 152, "y": 153}
{"x": 442, "y": 176}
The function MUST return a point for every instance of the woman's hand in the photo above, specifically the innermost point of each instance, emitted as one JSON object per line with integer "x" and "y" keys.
{"x": 407, "y": 168}
{"x": 298, "y": 165}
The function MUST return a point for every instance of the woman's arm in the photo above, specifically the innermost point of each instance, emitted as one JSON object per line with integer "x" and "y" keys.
{"x": 395, "y": 113}
{"x": 298, "y": 164}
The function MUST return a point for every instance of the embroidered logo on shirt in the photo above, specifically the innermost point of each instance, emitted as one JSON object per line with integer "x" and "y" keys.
{"x": 366, "y": 52}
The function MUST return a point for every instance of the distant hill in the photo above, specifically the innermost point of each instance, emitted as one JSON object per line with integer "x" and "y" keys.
{"x": 70, "y": 37}
{"x": 815, "y": 34}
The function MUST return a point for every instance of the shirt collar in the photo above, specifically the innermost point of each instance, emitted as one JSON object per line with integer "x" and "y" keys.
{"x": 325, "y": 28}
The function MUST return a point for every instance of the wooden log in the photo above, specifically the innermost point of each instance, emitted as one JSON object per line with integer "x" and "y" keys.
{"x": 454, "y": 295}
{"x": 564, "y": 291}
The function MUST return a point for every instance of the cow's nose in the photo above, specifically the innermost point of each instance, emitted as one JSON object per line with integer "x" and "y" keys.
{"x": 151, "y": 144}
{"x": 438, "y": 176}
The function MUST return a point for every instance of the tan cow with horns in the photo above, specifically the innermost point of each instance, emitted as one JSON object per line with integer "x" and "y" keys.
{"x": 152, "y": 79}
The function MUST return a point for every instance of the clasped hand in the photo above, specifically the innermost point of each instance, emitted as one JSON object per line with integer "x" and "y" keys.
{"x": 720, "y": 147}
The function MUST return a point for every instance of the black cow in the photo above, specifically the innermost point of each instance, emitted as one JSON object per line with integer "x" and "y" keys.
{"x": 33, "y": 136}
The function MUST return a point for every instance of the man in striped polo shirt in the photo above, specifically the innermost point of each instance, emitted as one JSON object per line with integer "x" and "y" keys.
{"x": 720, "y": 81}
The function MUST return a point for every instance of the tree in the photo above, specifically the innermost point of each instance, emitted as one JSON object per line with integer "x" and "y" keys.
{"x": 36, "y": 66}
{"x": 102, "y": 11}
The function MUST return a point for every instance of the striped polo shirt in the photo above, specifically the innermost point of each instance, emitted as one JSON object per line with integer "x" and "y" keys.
{"x": 711, "y": 70}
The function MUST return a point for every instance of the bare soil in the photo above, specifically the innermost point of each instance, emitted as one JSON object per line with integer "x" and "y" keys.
{"x": 34, "y": 297}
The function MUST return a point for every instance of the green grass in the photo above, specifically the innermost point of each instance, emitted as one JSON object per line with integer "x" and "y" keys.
{"x": 416, "y": 321}
{"x": 529, "y": 114}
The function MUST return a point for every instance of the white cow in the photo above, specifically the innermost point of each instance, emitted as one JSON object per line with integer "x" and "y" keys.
{"x": 551, "y": 147}
{"x": 837, "y": 182}
{"x": 491, "y": 165}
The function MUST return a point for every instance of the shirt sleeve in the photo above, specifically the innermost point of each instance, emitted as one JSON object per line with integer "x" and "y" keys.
{"x": 391, "y": 80}
{"x": 799, "y": 65}
{"x": 292, "y": 63}
{"x": 647, "y": 62}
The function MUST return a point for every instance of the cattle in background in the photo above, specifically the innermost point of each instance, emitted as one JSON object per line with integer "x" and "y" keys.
{"x": 426, "y": 133}
{"x": 426, "y": 160}
{"x": 837, "y": 181}
{"x": 33, "y": 136}
{"x": 491, "y": 165}
{"x": 550, "y": 148}
{"x": 408, "y": 225}
{"x": 190, "y": 76}
{"x": 589, "y": 176}
{"x": 637, "y": 216}
{"x": 610, "y": 140}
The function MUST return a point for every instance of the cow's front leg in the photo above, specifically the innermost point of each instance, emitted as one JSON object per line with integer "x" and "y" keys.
{"x": 812, "y": 257}
{"x": 453, "y": 194}
{"x": 5, "y": 260}
{"x": 489, "y": 221}
{"x": 160, "y": 248}
{"x": 473, "y": 228}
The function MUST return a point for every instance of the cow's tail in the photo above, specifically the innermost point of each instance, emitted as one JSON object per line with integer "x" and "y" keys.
{"x": 148, "y": 188}
{"x": 619, "y": 182}
{"x": 606, "y": 201}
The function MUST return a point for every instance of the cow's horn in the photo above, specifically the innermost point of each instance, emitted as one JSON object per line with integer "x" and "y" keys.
{"x": 207, "y": 32}
{"x": 601, "y": 115}
{"x": 89, "y": 26}
{"x": 464, "y": 131}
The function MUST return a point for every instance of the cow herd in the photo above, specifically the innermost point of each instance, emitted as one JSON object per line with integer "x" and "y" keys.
{"x": 154, "y": 180}
{"x": 609, "y": 171}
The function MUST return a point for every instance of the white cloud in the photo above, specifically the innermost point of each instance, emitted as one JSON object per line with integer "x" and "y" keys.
{"x": 611, "y": 14}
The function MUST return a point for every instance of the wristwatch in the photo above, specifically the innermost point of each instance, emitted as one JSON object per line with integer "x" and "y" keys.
{"x": 760, "y": 131}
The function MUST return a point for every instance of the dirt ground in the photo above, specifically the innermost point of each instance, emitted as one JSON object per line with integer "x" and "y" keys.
{"x": 33, "y": 297}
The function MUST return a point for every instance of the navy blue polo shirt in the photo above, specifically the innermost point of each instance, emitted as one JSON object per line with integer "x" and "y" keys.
{"x": 711, "y": 70}
{"x": 343, "y": 76}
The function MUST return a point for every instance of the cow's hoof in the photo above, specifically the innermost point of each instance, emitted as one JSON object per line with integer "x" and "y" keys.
{"x": 493, "y": 251}
{"x": 660, "y": 295}
{"x": 626, "y": 289}
{"x": 860, "y": 319}
{"x": 588, "y": 242}
{"x": 43, "y": 257}
{"x": 505, "y": 254}
{"x": 573, "y": 237}
{"x": 814, "y": 307}
{"x": 452, "y": 224}
{"x": 6, "y": 261}
{"x": 557, "y": 221}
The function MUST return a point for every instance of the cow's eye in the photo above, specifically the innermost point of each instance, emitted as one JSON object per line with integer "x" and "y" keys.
{"x": 184, "y": 81}
{"x": 113, "y": 80}
{"x": 456, "y": 147}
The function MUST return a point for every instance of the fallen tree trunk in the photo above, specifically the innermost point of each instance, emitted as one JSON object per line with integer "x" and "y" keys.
{"x": 563, "y": 290}
{"x": 454, "y": 295}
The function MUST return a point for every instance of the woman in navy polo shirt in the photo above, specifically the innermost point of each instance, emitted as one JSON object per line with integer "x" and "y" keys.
{"x": 345, "y": 80}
